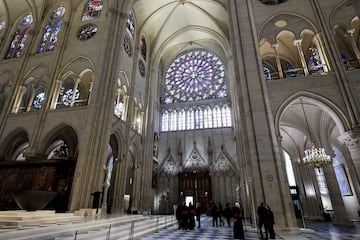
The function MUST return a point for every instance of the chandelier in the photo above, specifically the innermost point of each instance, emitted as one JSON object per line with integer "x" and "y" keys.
{"x": 314, "y": 157}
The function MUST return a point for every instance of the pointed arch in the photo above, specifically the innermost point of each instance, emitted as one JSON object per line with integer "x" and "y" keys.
{"x": 323, "y": 103}
{"x": 12, "y": 144}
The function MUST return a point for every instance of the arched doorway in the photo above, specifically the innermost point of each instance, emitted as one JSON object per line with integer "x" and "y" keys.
{"x": 195, "y": 187}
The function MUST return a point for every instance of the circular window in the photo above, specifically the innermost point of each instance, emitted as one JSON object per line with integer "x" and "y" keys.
{"x": 272, "y": 2}
{"x": 86, "y": 32}
{"x": 193, "y": 76}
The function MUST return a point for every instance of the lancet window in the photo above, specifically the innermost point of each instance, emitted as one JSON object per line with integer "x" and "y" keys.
{"x": 92, "y": 9}
{"x": 19, "y": 38}
{"x": 51, "y": 31}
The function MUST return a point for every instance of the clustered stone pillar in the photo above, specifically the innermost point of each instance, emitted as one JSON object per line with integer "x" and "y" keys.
{"x": 352, "y": 141}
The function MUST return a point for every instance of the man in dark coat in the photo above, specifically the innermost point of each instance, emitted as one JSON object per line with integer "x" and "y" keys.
{"x": 262, "y": 217}
{"x": 238, "y": 226}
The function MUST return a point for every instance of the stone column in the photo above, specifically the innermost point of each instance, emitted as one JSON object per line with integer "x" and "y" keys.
{"x": 56, "y": 94}
{"x": 33, "y": 91}
{"x": 322, "y": 53}
{"x": 278, "y": 63}
{"x": 352, "y": 141}
{"x": 340, "y": 216}
{"x": 20, "y": 95}
{"x": 297, "y": 43}
{"x": 76, "y": 85}
{"x": 126, "y": 106}
{"x": 350, "y": 36}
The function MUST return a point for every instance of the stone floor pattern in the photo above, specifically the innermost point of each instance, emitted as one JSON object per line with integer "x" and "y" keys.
{"x": 324, "y": 231}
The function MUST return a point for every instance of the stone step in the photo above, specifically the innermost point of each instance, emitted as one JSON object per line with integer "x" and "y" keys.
{"x": 60, "y": 231}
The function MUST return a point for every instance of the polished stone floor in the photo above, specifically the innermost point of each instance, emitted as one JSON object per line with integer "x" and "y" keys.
{"x": 322, "y": 230}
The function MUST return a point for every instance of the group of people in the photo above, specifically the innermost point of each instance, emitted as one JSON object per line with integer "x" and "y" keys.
{"x": 266, "y": 221}
{"x": 217, "y": 213}
{"x": 186, "y": 217}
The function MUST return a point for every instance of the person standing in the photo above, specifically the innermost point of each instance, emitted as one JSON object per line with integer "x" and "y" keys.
{"x": 214, "y": 213}
{"x": 184, "y": 217}
{"x": 262, "y": 219}
{"x": 191, "y": 215}
{"x": 270, "y": 223}
{"x": 198, "y": 214}
{"x": 238, "y": 226}
{"x": 178, "y": 214}
{"x": 220, "y": 214}
{"x": 227, "y": 213}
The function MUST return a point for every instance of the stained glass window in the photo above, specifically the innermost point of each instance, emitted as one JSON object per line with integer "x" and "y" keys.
{"x": 68, "y": 95}
{"x": 315, "y": 63}
{"x": 92, "y": 9}
{"x": 86, "y": 32}
{"x": 130, "y": 24}
{"x": 51, "y": 31}
{"x": 195, "y": 77}
{"x": 143, "y": 47}
{"x": 2, "y": 25}
{"x": 19, "y": 38}
{"x": 38, "y": 100}
{"x": 267, "y": 73}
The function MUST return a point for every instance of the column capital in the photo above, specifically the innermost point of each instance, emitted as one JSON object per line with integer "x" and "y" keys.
{"x": 297, "y": 42}
{"x": 351, "y": 139}
{"x": 275, "y": 46}
{"x": 351, "y": 32}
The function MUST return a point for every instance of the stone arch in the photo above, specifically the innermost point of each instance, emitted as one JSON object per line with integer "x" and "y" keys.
{"x": 342, "y": 13}
{"x": 293, "y": 22}
{"x": 34, "y": 82}
{"x": 323, "y": 103}
{"x": 79, "y": 74}
{"x": 62, "y": 132}
{"x": 11, "y": 144}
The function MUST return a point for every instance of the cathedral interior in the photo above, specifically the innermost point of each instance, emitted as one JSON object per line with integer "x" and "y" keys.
{"x": 136, "y": 106}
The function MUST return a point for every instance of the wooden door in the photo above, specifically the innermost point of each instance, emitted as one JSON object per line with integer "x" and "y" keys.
{"x": 196, "y": 184}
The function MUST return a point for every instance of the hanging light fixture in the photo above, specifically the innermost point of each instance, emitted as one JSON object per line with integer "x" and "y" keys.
{"x": 314, "y": 157}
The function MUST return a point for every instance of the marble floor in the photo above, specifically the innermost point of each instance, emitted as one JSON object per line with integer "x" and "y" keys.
{"x": 322, "y": 230}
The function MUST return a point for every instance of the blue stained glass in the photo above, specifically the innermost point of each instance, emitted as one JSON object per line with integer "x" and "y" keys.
{"x": 51, "y": 31}
{"x": 130, "y": 24}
